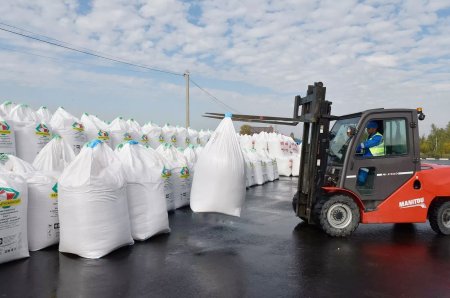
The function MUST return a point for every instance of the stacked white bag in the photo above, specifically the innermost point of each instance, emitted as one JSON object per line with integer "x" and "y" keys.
{"x": 54, "y": 157}
{"x": 182, "y": 180}
{"x": 30, "y": 133}
{"x": 13, "y": 214}
{"x": 119, "y": 132}
{"x": 95, "y": 128}
{"x": 169, "y": 134}
{"x": 259, "y": 169}
{"x": 145, "y": 190}
{"x": 204, "y": 136}
{"x": 246, "y": 142}
{"x": 43, "y": 221}
{"x": 182, "y": 138}
{"x": 219, "y": 182}
{"x": 69, "y": 128}
{"x": 191, "y": 157}
{"x": 44, "y": 115}
{"x": 93, "y": 208}
{"x": 278, "y": 148}
{"x": 249, "y": 170}
{"x": 7, "y": 137}
{"x": 193, "y": 137}
{"x": 296, "y": 149}
{"x": 154, "y": 134}
{"x": 136, "y": 132}
{"x": 5, "y": 108}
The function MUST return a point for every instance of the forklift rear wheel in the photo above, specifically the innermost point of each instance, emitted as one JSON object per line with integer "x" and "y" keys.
{"x": 339, "y": 216}
{"x": 440, "y": 217}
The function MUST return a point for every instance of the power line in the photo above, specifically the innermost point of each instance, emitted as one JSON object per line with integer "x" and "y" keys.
{"x": 91, "y": 54}
{"x": 213, "y": 97}
{"x": 65, "y": 59}
{"x": 99, "y": 55}
{"x": 51, "y": 38}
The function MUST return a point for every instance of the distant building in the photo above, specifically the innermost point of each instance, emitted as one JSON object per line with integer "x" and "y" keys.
{"x": 267, "y": 129}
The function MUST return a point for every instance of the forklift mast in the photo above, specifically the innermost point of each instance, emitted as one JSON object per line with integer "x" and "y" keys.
{"x": 315, "y": 112}
{"x": 316, "y": 115}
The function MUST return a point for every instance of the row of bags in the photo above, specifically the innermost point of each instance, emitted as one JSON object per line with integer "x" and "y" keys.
{"x": 93, "y": 203}
{"x": 24, "y": 132}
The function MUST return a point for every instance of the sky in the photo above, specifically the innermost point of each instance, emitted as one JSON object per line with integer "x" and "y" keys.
{"x": 252, "y": 55}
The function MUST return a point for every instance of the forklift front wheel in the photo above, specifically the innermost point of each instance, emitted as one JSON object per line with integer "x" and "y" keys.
{"x": 339, "y": 216}
{"x": 440, "y": 217}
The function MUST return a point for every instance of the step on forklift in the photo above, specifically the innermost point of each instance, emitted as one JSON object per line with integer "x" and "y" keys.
{"x": 340, "y": 187}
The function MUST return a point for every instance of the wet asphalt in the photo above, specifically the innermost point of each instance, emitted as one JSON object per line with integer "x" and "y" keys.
{"x": 268, "y": 252}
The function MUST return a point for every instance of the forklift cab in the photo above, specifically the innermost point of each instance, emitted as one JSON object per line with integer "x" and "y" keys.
{"x": 373, "y": 178}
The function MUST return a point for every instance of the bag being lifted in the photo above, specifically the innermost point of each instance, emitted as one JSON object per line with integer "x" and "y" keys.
{"x": 93, "y": 209}
{"x": 145, "y": 190}
{"x": 219, "y": 181}
{"x": 13, "y": 215}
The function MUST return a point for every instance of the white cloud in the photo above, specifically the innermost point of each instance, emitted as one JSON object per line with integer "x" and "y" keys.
{"x": 369, "y": 54}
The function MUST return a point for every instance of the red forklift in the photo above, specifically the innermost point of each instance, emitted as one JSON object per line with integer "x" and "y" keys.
{"x": 339, "y": 188}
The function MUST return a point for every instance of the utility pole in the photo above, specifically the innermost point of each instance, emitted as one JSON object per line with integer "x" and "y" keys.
{"x": 186, "y": 76}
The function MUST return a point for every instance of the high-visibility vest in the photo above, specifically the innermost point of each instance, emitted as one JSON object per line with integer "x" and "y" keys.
{"x": 379, "y": 149}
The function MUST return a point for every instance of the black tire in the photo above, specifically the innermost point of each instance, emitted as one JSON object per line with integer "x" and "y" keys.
{"x": 338, "y": 215}
{"x": 439, "y": 217}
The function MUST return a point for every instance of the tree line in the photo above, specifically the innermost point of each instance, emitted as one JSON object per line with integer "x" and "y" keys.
{"x": 437, "y": 143}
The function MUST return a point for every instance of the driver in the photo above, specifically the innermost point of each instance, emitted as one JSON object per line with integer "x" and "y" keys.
{"x": 374, "y": 144}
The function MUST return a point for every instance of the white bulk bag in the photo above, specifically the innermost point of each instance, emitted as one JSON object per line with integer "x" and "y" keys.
{"x": 170, "y": 134}
{"x": 133, "y": 124}
{"x": 284, "y": 164}
{"x": 136, "y": 132}
{"x": 268, "y": 163}
{"x": 31, "y": 134}
{"x": 166, "y": 174}
{"x": 249, "y": 171}
{"x": 193, "y": 137}
{"x": 204, "y": 137}
{"x": 93, "y": 131}
{"x": 5, "y": 108}
{"x": 182, "y": 180}
{"x": 7, "y": 137}
{"x": 219, "y": 182}
{"x": 191, "y": 157}
{"x": 275, "y": 144}
{"x": 246, "y": 142}
{"x": 44, "y": 115}
{"x": 119, "y": 132}
{"x": 43, "y": 221}
{"x": 154, "y": 135}
{"x": 13, "y": 215}
{"x": 259, "y": 172}
{"x": 93, "y": 208}
{"x": 69, "y": 128}
{"x": 296, "y": 149}
{"x": 55, "y": 156}
{"x": 145, "y": 190}
{"x": 260, "y": 141}
{"x": 182, "y": 137}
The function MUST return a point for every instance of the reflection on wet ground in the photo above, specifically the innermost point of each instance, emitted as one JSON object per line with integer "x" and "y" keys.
{"x": 268, "y": 252}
